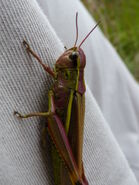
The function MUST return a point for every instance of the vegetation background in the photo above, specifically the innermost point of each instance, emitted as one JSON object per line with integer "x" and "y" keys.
{"x": 120, "y": 24}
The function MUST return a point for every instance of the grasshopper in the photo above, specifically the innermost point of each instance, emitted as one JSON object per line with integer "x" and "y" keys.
{"x": 65, "y": 116}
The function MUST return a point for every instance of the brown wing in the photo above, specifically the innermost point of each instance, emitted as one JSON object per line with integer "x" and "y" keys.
{"x": 76, "y": 129}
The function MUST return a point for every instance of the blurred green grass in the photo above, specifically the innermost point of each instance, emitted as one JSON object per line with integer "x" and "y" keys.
{"x": 120, "y": 24}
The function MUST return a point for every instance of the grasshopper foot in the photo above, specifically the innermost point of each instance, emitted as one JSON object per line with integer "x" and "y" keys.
{"x": 26, "y": 45}
{"x": 18, "y": 114}
{"x": 65, "y": 47}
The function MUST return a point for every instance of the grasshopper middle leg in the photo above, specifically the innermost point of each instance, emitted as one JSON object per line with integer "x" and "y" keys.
{"x": 42, "y": 114}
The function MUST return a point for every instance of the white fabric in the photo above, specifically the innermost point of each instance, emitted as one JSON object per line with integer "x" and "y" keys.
{"x": 24, "y": 87}
{"x": 114, "y": 89}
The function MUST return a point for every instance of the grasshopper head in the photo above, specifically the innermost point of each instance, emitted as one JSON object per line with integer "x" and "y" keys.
{"x": 73, "y": 58}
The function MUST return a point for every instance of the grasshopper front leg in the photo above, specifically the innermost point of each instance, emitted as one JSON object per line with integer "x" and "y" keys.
{"x": 46, "y": 68}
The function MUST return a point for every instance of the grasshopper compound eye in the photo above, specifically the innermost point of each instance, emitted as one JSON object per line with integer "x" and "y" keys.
{"x": 74, "y": 55}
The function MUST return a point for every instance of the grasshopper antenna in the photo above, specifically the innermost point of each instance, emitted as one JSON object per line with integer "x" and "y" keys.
{"x": 89, "y": 33}
{"x": 76, "y": 29}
